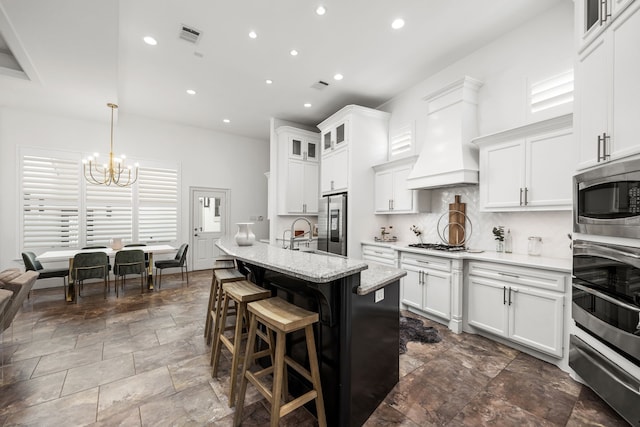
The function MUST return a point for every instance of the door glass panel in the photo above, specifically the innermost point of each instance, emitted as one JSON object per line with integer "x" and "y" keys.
{"x": 311, "y": 150}
{"x": 296, "y": 147}
{"x": 340, "y": 134}
{"x": 592, "y": 13}
{"x": 210, "y": 214}
{"x": 326, "y": 138}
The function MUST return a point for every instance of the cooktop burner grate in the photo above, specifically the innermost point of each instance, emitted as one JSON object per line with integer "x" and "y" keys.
{"x": 438, "y": 247}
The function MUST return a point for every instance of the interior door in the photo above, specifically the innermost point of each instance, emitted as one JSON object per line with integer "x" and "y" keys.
{"x": 209, "y": 217}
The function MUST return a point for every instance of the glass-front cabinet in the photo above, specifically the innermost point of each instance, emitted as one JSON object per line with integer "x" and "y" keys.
{"x": 335, "y": 137}
{"x": 303, "y": 149}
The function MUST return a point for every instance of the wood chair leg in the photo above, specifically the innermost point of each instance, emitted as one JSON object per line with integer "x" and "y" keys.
{"x": 215, "y": 350}
{"x": 235, "y": 359}
{"x": 315, "y": 375}
{"x": 248, "y": 361}
{"x": 278, "y": 370}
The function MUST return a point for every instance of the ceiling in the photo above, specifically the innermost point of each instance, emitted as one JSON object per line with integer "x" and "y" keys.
{"x": 80, "y": 54}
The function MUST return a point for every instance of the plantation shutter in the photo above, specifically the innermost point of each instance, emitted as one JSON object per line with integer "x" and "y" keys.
{"x": 50, "y": 202}
{"x": 108, "y": 214}
{"x": 157, "y": 205}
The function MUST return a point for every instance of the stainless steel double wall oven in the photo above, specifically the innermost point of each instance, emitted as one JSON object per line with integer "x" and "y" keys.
{"x": 605, "y": 349}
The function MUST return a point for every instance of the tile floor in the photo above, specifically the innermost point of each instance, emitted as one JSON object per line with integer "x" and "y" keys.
{"x": 142, "y": 360}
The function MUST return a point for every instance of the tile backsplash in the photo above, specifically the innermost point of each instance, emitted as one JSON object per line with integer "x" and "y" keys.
{"x": 553, "y": 227}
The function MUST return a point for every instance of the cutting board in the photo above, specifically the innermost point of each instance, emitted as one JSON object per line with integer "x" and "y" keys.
{"x": 457, "y": 218}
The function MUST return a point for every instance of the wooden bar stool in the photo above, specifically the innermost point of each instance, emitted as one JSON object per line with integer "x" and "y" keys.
{"x": 223, "y": 272}
{"x": 281, "y": 317}
{"x": 242, "y": 293}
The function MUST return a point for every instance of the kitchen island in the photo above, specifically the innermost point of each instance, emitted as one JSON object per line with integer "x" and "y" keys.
{"x": 357, "y": 336}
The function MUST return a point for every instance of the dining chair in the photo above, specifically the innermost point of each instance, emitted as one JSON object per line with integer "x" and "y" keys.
{"x": 90, "y": 265}
{"x": 137, "y": 245}
{"x": 129, "y": 262}
{"x": 32, "y": 264}
{"x": 180, "y": 261}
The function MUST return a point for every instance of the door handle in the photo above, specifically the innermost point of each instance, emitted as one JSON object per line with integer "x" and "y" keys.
{"x": 526, "y": 191}
{"x": 520, "y": 196}
{"x": 509, "y": 296}
{"x": 195, "y": 235}
{"x": 504, "y": 295}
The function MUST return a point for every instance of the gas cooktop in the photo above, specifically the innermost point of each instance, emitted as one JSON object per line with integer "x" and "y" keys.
{"x": 438, "y": 247}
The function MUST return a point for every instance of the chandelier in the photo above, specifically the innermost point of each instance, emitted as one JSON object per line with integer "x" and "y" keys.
{"x": 115, "y": 172}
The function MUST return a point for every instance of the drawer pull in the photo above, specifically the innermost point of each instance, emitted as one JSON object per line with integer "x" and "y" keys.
{"x": 509, "y": 275}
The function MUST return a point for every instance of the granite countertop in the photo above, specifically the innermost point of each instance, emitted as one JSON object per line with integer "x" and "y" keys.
{"x": 311, "y": 267}
{"x": 378, "y": 276}
{"x": 563, "y": 265}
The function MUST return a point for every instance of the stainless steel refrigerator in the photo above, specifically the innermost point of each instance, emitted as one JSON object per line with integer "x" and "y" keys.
{"x": 332, "y": 224}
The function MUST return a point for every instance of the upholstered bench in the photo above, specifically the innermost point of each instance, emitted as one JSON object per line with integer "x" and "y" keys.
{"x": 18, "y": 284}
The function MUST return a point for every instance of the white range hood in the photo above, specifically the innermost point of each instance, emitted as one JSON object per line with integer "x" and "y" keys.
{"x": 448, "y": 158}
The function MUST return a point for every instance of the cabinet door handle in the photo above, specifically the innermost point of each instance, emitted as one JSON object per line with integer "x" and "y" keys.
{"x": 604, "y": 12}
{"x": 504, "y": 295}
{"x": 602, "y": 147}
{"x": 509, "y": 296}
{"x": 420, "y": 277}
{"x": 392, "y": 205}
{"x": 332, "y": 184}
{"x": 526, "y": 191}
{"x": 389, "y": 204}
{"x": 520, "y": 196}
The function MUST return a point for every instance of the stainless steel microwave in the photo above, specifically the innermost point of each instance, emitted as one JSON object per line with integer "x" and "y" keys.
{"x": 607, "y": 200}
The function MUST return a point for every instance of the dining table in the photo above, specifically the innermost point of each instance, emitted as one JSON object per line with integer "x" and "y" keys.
{"x": 68, "y": 254}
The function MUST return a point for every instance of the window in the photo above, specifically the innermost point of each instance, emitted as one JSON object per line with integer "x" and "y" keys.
{"x": 61, "y": 210}
{"x": 401, "y": 142}
{"x": 552, "y": 92}
{"x": 50, "y": 204}
{"x": 158, "y": 205}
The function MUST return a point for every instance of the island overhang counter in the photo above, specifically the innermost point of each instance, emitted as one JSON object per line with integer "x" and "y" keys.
{"x": 357, "y": 336}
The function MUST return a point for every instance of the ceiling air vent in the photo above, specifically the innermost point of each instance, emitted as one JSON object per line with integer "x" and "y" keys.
{"x": 320, "y": 85}
{"x": 190, "y": 34}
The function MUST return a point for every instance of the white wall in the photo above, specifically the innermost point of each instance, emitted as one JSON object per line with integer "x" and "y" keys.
{"x": 206, "y": 159}
{"x": 539, "y": 49}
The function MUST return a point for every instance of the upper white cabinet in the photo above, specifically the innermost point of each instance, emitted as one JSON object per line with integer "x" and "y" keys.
{"x": 335, "y": 172}
{"x": 592, "y": 17}
{"x": 607, "y": 89}
{"x": 528, "y": 168}
{"x": 335, "y": 136}
{"x": 297, "y": 171}
{"x": 303, "y": 148}
{"x": 391, "y": 193}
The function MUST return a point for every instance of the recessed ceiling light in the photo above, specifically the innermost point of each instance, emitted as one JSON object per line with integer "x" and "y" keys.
{"x": 338, "y": 77}
{"x": 253, "y": 34}
{"x": 321, "y": 10}
{"x": 294, "y": 52}
{"x": 268, "y": 81}
{"x": 307, "y": 105}
{"x": 397, "y": 24}
{"x": 150, "y": 41}
{"x": 226, "y": 120}
{"x": 191, "y": 91}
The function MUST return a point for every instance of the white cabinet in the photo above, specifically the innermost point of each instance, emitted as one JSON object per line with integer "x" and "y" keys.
{"x": 521, "y": 304}
{"x": 379, "y": 254}
{"x": 302, "y": 187}
{"x": 335, "y": 172}
{"x": 335, "y": 136}
{"x": 592, "y": 17}
{"x": 391, "y": 193}
{"x": 303, "y": 148}
{"x": 607, "y": 90}
{"x": 427, "y": 285}
{"x": 353, "y": 139}
{"x": 298, "y": 172}
{"x": 528, "y": 168}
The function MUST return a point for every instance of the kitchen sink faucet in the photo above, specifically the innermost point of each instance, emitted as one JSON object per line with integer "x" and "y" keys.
{"x": 292, "y": 233}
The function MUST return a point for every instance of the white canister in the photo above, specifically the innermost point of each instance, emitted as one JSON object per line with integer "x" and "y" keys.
{"x": 535, "y": 246}
{"x": 245, "y": 236}
{"x": 116, "y": 243}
